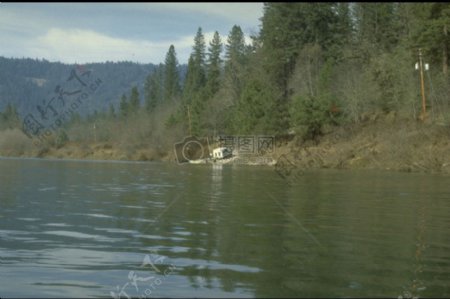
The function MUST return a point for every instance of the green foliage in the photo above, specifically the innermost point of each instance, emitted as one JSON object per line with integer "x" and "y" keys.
{"x": 311, "y": 113}
{"x": 389, "y": 73}
{"x": 311, "y": 65}
{"x": 254, "y": 112}
{"x": 199, "y": 48}
{"x": 171, "y": 121}
{"x": 315, "y": 105}
{"x": 376, "y": 25}
{"x": 235, "y": 47}
{"x": 134, "y": 102}
{"x": 430, "y": 31}
{"x": 74, "y": 119}
{"x": 112, "y": 111}
{"x": 61, "y": 139}
{"x": 9, "y": 119}
{"x": 153, "y": 88}
{"x": 171, "y": 78}
{"x": 26, "y": 82}
{"x": 198, "y": 112}
{"x": 214, "y": 65}
{"x": 195, "y": 76}
{"x": 194, "y": 94}
{"x": 124, "y": 106}
{"x": 235, "y": 63}
{"x": 287, "y": 27}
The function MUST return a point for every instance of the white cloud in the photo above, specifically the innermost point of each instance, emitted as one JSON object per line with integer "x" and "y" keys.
{"x": 98, "y": 33}
{"x": 246, "y": 14}
{"x": 84, "y": 46}
{"x": 76, "y": 45}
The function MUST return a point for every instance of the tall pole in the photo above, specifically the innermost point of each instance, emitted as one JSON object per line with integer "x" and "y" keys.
{"x": 422, "y": 87}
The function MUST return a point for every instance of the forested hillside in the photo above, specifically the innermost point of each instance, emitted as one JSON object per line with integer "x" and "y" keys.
{"x": 25, "y": 83}
{"x": 311, "y": 66}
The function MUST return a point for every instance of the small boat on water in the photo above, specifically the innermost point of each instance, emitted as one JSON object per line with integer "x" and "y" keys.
{"x": 220, "y": 155}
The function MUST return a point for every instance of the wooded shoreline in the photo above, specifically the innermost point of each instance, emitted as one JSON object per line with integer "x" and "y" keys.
{"x": 386, "y": 143}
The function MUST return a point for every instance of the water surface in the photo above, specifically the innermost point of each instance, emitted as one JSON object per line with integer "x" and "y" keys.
{"x": 101, "y": 229}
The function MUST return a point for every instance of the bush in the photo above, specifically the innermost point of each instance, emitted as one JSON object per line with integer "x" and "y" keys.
{"x": 61, "y": 139}
{"x": 13, "y": 142}
{"x": 310, "y": 114}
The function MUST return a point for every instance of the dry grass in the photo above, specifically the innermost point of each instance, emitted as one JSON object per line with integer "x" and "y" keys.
{"x": 387, "y": 143}
{"x": 381, "y": 142}
{"x": 14, "y": 142}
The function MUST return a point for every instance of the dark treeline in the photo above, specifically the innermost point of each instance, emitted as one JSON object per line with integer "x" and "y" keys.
{"x": 26, "y": 82}
{"x": 312, "y": 65}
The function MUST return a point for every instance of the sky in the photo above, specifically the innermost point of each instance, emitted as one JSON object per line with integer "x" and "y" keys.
{"x": 99, "y": 32}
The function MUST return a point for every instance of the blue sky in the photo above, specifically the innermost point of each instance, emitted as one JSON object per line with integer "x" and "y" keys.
{"x": 97, "y": 32}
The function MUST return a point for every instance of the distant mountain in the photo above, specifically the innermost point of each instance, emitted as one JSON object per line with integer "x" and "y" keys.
{"x": 27, "y": 83}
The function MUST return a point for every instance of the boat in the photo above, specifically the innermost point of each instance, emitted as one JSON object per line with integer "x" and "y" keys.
{"x": 221, "y": 153}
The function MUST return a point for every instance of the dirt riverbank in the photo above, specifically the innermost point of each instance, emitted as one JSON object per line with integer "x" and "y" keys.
{"x": 382, "y": 143}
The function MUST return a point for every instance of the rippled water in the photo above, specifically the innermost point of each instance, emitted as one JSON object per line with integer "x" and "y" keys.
{"x": 105, "y": 229}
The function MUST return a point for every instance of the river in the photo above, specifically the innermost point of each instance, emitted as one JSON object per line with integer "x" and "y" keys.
{"x": 118, "y": 229}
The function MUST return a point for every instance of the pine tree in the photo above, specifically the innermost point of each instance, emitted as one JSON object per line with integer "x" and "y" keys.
{"x": 134, "y": 103}
{"x": 194, "y": 89}
{"x": 214, "y": 64}
{"x": 189, "y": 83}
{"x": 154, "y": 89}
{"x": 171, "y": 86}
{"x": 343, "y": 36}
{"x": 234, "y": 62}
{"x": 235, "y": 46}
{"x": 112, "y": 111}
{"x": 195, "y": 76}
{"x": 199, "y": 49}
{"x": 124, "y": 106}
{"x": 431, "y": 32}
{"x": 375, "y": 26}
{"x": 11, "y": 117}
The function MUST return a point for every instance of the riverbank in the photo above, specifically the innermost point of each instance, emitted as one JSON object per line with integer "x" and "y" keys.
{"x": 384, "y": 142}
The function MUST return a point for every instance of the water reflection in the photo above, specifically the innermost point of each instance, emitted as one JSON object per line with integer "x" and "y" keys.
{"x": 417, "y": 285}
{"x": 223, "y": 231}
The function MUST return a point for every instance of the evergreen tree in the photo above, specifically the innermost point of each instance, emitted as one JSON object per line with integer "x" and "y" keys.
{"x": 112, "y": 111}
{"x": 254, "y": 112}
{"x": 196, "y": 69}
{"x": 10, "y": 116}
{"x": 235, "y": 46}
{"x": 189, "y": 83}
{"x": 154, "y": 89}
{"x": 287, "y": 28}
{"x": 234, "y": 63}
{"x": 124, "y": 106}
{"x": 194, "y": 88}
{"x": 344, "y": 32}
{"x": 376, "y": 30}
{"x": 214, "y": 64}
{"x": 199, "y": 49}
{"x": 431, "y": 32}
{"x": 134, "y": 103}
{"x": 171, "y": 86}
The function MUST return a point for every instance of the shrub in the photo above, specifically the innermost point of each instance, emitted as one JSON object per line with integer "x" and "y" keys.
{"x": 310, "y": 114}
{"x": 13, "y": 142}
